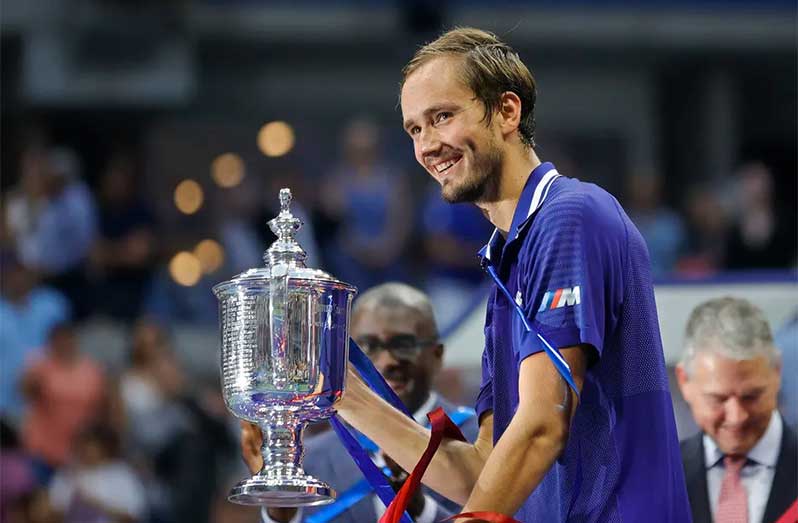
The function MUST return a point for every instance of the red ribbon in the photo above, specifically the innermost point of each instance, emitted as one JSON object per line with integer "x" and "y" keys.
{"x": 791, "y": 516}
{"x": 442, "y": 426}
{"x": 492, "y": 517}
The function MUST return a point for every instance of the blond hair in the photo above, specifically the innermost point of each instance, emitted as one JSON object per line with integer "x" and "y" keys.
{"x": 489, "y": 68}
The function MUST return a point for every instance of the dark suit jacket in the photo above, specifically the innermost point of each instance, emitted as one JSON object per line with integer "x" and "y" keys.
{"x": 327, "y": 459}
{"x": 782, "y": 493}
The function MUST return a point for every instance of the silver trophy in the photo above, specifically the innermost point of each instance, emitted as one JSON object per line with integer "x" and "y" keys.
{"x": 285, "y": 345}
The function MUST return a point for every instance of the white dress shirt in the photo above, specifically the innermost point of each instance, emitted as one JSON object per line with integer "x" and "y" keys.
{"x": 430, "y": 505}
{"x": 757, "y": 474}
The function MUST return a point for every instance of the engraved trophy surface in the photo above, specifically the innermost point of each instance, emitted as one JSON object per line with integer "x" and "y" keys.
{"x": 284, "y": 353}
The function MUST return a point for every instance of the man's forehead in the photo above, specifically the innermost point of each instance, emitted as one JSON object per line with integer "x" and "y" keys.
{"x": 398, "y": 318}
{"x": 710, "y": 366}
{"x": 435, "y": 82}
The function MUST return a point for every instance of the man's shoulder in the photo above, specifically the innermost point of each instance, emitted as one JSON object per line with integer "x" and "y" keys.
{"x": 691, "y": 442}
{"x": 571, "y": 200}
{"x": 576, "y": 215}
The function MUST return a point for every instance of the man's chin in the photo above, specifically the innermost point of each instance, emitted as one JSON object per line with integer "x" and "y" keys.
{"x": 454, "y": 194}
{"x": 735, "y": 446}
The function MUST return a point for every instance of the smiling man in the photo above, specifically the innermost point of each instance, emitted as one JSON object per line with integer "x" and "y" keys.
{"x": 568, "y": 263}
{"x": 742, "y": 466}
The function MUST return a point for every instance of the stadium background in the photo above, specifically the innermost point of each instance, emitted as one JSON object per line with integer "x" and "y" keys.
{"x": 685, "y": 111}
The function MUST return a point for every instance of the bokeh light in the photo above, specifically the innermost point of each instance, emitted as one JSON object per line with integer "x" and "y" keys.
{"x": 210, "y": 255}
{"x": 188, "y": 196}
{"x": 276, "y": 138}
{"x": 185, "y": 269}
{"x": 227, "y": 170}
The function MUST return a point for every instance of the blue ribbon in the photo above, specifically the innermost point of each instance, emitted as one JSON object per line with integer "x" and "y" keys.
{"x": 373, "y": 378}
{"x": 556, "y": 358}
{"x": 375, "y": 478}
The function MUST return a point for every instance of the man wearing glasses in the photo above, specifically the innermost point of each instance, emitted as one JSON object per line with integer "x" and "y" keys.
{"x": 394, "y": 325}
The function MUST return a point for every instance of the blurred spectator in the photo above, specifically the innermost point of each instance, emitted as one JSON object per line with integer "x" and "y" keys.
{"x": 175, "y": 437}
{"x": 760, "y": 237}
{"x": 742, "y": 466}
{"x": 452, "y": 235}
{"x": 122, "y": 258}
{"x": 66, "y": 391}
{"x": 147, "y": 388}
{"x": 370, "y": 201}
{"x": 171, "y": 302}
{"x": 52, "y": 220}
{"x": 191, "y": 464}
{"x": 27, "y": 313}
{"x": 17, "y": 478}
{"x": 708, "y": 227}
{"x": 661, "y": 226}
{"x": 239, "y": 227}
{"x": 98, "y": 486}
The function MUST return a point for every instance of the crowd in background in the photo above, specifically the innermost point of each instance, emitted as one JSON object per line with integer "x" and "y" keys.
{"x": 146, "y": 442}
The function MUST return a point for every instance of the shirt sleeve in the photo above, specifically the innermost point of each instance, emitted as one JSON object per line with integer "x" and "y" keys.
{"x": 570, "y": 277}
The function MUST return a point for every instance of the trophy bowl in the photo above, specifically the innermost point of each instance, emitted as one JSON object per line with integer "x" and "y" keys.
{"x": 284, "y": 352}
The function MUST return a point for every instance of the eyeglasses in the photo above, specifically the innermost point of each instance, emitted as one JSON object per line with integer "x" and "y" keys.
{"x": 401, "y": 346}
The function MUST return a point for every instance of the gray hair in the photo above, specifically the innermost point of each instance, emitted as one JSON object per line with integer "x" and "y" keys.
{"x": 397, "y": 295}
{"x": 732, "y": 327}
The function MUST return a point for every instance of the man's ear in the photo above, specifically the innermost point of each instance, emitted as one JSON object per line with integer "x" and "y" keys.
{"x": 683, "y": 380}
{"x": 509, "y": 112}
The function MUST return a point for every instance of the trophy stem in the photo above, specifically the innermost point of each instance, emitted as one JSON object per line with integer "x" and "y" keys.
{"x": 282, "y": 449}
{"x": 282, "y": 482}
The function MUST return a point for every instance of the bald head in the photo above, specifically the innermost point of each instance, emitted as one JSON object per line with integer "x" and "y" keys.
{"x": 395, "y": 297}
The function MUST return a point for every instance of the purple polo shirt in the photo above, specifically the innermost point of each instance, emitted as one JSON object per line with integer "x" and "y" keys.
{"x": 579, "y": 269}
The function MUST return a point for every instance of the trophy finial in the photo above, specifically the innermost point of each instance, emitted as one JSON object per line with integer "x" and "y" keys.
{"x": 285, "y": 250}
{"x": 285, "y": 200}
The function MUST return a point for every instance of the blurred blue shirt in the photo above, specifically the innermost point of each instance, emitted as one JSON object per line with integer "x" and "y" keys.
{"x": 64, "y": 232}
{"x": 23, "y": 331}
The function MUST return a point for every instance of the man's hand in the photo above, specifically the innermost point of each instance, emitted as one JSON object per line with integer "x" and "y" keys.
{"x": 281, "y": 515}
{"x": 251, "y": 441}
{"x": 396, "y": 479}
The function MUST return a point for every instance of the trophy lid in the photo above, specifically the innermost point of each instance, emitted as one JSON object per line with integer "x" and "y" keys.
{"x": 285, "y": 257}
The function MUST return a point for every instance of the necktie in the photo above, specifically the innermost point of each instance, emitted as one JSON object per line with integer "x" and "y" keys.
{"x": 733, "y": 499}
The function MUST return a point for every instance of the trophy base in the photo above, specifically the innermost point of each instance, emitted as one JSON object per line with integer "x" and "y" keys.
{"x": 306, "y": 492}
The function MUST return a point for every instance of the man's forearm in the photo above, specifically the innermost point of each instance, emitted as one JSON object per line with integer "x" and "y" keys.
{"x": 453, "y": 470}
{"x": 520, "y": 459}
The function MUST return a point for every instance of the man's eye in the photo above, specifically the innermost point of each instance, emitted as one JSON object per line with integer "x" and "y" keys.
{"x": 440, "y": 117}
{"x": 414, "y": 131}
{"x": 715, "y": 399}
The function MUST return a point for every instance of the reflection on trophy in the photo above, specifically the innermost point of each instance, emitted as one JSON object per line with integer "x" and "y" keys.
{"x": 285, "y": 339}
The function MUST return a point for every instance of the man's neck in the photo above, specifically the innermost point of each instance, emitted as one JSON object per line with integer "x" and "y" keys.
{"x": 518, "y": 164}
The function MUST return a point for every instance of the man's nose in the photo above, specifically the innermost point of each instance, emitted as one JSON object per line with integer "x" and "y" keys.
{"x": 383, "y": 359}
{"x": 735, "y": 412}
{"x": 429, "y": 141}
